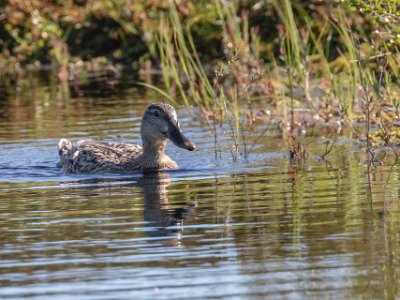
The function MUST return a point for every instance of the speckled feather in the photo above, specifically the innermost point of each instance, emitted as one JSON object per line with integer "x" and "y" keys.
{"x": 88, "y": 156}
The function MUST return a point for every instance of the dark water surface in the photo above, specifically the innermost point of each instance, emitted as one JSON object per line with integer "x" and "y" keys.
{"x": 255, "y": 229}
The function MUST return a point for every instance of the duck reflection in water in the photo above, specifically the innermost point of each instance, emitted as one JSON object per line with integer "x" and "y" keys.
{"x": 160, "y": 219}
{"x": 157, "y": 212}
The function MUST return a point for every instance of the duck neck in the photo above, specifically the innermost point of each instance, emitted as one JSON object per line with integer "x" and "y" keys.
{"x": 154, "y": 148}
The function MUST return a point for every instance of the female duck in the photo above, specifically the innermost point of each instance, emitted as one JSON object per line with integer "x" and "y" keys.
{"x": 159, "y": 123}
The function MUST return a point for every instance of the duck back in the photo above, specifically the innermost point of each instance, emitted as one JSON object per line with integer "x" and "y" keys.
{"x": 87, "y": 156}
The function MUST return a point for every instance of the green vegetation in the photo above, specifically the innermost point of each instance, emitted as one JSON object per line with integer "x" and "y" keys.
{"x": 303, "y": 63}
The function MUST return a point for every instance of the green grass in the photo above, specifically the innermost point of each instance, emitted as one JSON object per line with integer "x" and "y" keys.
{"x": 225, "y": 94}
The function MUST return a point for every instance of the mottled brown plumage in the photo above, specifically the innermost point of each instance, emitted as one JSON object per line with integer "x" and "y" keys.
{"x": 159, "y": 123}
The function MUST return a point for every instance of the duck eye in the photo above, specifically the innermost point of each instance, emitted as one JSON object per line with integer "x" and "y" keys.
{"x": 156, "y": 113}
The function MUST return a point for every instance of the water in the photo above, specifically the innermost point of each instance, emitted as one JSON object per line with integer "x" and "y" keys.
{"x": 258, "y": 228}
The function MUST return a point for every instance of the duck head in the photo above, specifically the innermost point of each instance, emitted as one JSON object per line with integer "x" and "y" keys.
{"x": 160, "y": 122}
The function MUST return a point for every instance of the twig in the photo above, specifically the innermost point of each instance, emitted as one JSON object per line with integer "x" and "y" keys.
{"x": 327, "y": 148}
{"x": 370, "y": 153}
{"x": 383, "y": 55}
{"x": 235, "y": 140}
{"x": 258, "y": 137}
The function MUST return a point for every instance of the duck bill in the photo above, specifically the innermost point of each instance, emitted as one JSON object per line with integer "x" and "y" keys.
{"x": 177, "y": 137}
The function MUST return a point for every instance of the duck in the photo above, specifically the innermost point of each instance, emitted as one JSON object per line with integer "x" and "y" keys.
{"x": 159, "y": 123}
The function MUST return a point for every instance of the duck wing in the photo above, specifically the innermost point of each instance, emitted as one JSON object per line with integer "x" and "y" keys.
{"x": 87, "y": 156}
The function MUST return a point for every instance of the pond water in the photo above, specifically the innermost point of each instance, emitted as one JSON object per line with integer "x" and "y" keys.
{"x": 257, "y": 228}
